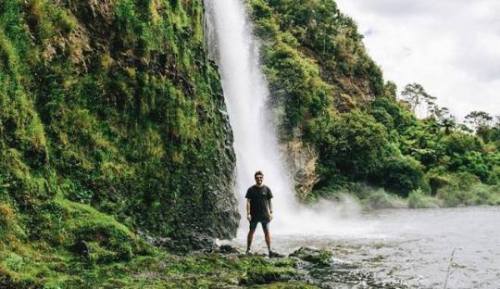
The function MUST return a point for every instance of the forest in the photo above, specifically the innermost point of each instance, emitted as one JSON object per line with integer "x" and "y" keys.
{"x": 331, "y": 96}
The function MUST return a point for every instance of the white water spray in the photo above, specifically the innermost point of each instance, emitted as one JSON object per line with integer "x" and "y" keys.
{"x": 255, "y": 138}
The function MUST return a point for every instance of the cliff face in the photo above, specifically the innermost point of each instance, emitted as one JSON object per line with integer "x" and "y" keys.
{"x": 111, "y": 112}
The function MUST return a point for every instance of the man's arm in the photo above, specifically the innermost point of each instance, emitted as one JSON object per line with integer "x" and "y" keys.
{"x": 270, "y": 204}
{"x": 270, "y": 209}
{"x": 249, "y": 217}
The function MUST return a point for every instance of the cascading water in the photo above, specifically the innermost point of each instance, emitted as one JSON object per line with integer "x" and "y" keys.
{"x": 255, "y": 139}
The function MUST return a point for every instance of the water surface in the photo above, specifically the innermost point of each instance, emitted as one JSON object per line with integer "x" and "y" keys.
{"x": 414, "y": 246}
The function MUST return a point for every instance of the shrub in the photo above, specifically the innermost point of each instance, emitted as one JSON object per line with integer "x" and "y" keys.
{"x": 402, "y": 175}
{"x": 417, "y": 199}
{"x": 353, "y": 145}
{"x": 380, "y": 199}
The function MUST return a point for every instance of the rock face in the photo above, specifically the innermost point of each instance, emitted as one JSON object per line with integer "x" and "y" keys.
{"x": 302, "y": 160}
{"x": 114, "y": 105}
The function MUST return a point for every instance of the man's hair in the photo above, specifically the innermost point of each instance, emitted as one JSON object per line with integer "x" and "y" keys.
{"x": 258, "y": 173}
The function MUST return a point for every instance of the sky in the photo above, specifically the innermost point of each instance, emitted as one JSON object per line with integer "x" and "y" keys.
{"x": 450, "y": 47}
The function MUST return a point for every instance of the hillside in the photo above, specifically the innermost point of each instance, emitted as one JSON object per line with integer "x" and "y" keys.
{"x": 343, "y": 125}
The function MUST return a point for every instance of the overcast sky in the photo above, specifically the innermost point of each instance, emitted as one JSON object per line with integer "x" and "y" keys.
{"x": 451, "y": 47}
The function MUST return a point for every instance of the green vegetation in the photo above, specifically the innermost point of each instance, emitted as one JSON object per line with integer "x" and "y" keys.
{"x": 112, "y": 123}
{"x": 331, "y": 96}
{"x": 113, "y": 126}
{"x": 155, "y": 270}
{"x": 111, "y": 105}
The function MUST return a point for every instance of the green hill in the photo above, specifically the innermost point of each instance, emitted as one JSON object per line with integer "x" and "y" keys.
{"x": 344, "y": 127}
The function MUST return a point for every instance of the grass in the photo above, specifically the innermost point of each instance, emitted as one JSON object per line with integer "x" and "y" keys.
{"x": 39, "y": 266}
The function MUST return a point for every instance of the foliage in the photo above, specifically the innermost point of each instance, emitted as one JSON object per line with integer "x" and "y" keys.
{"x": 402, "y": 175}
{"x": 417, "y": 199}
{"x": 108, "y": 110}
{"x": 415, "y": 95}
{"x": 156, "y": 270}
{"x": 353, "y": 144}
{"x": 119, "y": 108}
{"x": 329, "y": 94}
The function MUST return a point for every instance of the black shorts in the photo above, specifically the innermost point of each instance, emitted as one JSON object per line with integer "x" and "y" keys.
{"x": 253, "y": 223}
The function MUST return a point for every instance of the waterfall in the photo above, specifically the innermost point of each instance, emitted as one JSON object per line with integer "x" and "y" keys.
{"x": 246, "y": 93}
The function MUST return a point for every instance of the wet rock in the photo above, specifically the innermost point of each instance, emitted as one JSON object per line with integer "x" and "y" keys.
{"x": 162, "y": 242}
{"x": 183, "y": 243}
{"x": 314, "y": 256}
{"x": 194, "y": 242}
{"x": 227, "y": 249}
{"x": 274, "y": 254}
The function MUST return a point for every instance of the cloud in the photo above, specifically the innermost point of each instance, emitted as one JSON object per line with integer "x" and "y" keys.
{"x": 451, "y": 47}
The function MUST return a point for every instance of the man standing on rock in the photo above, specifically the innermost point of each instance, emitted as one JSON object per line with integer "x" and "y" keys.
{"x": 259, "y": 210}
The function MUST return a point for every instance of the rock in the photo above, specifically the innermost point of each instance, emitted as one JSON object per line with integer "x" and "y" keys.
{"x": 314, "y": 256}
{"x": 273, "y": 254}
{"x": 193, "y": 242}
{"x": 228, "y": 249}
{"x": 162, "y": 242}
{"x": 186, "y": 242}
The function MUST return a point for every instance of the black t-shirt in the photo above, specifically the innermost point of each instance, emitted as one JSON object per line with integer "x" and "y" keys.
{"x": 259, "y": 201}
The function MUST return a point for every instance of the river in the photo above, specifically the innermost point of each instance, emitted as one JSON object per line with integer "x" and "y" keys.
{"x": 411, "y": 246}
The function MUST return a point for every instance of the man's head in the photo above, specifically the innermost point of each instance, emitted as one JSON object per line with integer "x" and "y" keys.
{"x": 259, "y": 177}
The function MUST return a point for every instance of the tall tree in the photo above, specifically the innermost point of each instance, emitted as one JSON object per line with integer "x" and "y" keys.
{"x": 478, "y": 119}
{"x": 415, "y": 95}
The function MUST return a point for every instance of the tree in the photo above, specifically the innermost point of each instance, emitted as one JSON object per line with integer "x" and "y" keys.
{"x": 478, "y": 119}
{"x": 415, "y": 95}
{"x": 390, "y": 89}
{"x": 444, "y": 118}
{"x": 353, "y": 145}
{"x": 439, "y": 112}
{"x": 448, "y": 123}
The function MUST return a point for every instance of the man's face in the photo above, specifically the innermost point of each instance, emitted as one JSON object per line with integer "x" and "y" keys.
{"x": 259, "y": 179}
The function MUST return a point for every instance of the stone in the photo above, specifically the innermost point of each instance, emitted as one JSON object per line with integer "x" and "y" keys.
{"x": 314, "y": 256}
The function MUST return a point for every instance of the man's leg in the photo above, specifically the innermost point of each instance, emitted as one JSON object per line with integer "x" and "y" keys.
{"x": 253, "y": 225}
{"x": 267, "y": 235}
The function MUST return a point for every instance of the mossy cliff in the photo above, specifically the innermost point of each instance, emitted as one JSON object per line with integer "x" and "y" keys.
{"x": 112, "y": 122}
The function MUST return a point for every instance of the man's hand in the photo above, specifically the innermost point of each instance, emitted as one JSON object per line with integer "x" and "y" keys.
{"x": 249, "y": 217}
{"x": 270, "y": 216}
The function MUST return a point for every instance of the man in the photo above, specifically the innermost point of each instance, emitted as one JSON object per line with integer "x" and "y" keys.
{"x": 259, "y": 210}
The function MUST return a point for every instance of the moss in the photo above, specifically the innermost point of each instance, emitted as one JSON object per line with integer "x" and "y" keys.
{"x": 108, "y": 110}
{"x": 158, "y": 270}
{"x": 110, "y": 137}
